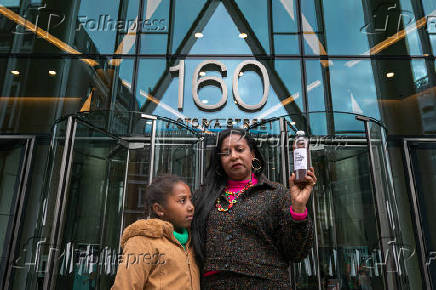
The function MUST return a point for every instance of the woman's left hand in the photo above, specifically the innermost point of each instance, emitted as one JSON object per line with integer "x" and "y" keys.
{"x": 300, "y": 192}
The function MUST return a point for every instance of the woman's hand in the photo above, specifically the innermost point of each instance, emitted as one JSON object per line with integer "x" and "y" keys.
{"x": 300, "y": 192}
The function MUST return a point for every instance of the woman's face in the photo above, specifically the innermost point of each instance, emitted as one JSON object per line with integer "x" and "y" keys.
{"x": 236, "y": 157}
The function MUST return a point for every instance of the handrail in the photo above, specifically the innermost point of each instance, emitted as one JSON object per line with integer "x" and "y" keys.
{"x": 197, "y": 131}
{"x": 379, "y": 122}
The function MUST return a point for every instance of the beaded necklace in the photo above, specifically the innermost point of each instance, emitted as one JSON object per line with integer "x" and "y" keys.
{"x": 232, "y": 197}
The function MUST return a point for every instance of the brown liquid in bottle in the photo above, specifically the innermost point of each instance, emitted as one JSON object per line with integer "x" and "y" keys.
{"x": 300, "y": 175}
{"x": 301, "y": 157}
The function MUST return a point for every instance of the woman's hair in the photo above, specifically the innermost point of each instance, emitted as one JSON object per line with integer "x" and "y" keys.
{"x": 158, "y": 191}
{"x": 215, "y": 181}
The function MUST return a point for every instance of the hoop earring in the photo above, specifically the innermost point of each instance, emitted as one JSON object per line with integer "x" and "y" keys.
{"x": 256, "y": 165}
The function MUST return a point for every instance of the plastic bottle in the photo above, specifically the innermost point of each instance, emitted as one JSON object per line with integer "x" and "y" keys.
{"x": 301, "y": 156}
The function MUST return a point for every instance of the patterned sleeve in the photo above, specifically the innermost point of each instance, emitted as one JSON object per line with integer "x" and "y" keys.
{"x": 294, "y": 238}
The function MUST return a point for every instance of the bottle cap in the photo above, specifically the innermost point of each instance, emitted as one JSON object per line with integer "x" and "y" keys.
{"x": 300, "y": 133}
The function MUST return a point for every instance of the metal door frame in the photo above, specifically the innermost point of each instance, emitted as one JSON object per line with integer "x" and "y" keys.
{"x": 18, "y": 205}
{"x": 410, "y": 180}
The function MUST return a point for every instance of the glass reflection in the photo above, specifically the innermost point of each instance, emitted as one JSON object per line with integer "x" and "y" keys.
{"x": 348, "y": 94}
{"x": 423, "y": 162}
{"x": 430, "y": 11}
{"x": 31, "y": 88}
{"x": 255, "y": 12}
{"x": 11, "y": 160}
{"x": 155, "y": 28}
{"x": 84, "y": 27}
{"x": 221, "y": 34}
{"x": 397, "y": 28}
{"x": 347, "y": 234}
{"x": 185, "y": 13}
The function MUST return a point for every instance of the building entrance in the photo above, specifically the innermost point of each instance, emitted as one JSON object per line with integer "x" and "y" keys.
{"x": 101, "y": 162}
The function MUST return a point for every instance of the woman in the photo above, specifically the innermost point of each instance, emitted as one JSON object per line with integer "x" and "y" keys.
{"x": 245, "y": 232}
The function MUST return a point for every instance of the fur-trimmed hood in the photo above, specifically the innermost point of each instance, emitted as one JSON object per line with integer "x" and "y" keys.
{"x": 153, "y": 259}
{"x": 152, "y": 228}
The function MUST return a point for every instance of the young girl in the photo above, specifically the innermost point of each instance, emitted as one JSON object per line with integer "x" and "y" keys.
{"x": 157, "y": 252}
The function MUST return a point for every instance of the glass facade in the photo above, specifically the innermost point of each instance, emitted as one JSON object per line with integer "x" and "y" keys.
{"x": 97, "y": 97}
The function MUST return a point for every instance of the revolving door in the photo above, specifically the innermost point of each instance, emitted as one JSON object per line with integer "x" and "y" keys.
{"x": 101, "y": 162}
{"x": 99, "y": 166}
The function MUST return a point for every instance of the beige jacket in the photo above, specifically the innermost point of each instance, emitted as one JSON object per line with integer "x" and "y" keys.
{"x": 153, "y": 259}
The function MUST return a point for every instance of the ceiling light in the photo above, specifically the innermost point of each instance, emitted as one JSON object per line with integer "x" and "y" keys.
{"x": 202, "y": 73}
{"x": 198, "y": 35}
{"x": 241, "y": 74}
{"x": 205, "y": 101}
{"x": 390, "y": 75}
{"x": 52, "y": 72}
{"x": 243, "y": 35}
{"x": 15, "y": 72}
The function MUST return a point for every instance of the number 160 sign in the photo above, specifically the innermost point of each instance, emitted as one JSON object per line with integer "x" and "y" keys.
{"x": 196, "y": 82}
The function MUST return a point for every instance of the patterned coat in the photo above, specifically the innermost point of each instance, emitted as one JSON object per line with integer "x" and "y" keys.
{"x": 257, "y": 237}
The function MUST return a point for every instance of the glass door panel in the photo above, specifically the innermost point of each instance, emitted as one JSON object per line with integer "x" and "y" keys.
{"x": 423, "y": 166}
{"x": 11, "y": 159}
{"x": 90, "y": 223}
{"x": 177, "y": 151}
{"x": 345, "y": 217}
{"x": 13, "y": 162}
{"x": 401, "y": 263}
{"x": 141, "y": 147}
{"x": 137, "y": 181}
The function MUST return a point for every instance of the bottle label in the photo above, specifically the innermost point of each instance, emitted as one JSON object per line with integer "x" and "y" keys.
{"x": 300, "y": 158}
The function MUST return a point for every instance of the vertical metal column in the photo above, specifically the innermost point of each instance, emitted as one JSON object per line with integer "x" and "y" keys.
{"x": 18, "y": 210}
{"x": 417, "y": 221}
{"x": 152, "y": 151}
{"x": 284, "y": 152}
{"x": 375, "y": 191}
{"x": 315, "y": 228}
{"x": 124, "y": 197}
{"x": 58, "y": 218}
{"x": 302, "y": 63}
{"x": 201, "y": 157}
{"x": 316, "y": 246}
{"x": 152, "y": 143}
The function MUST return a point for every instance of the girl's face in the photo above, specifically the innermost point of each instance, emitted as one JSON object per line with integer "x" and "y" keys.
{"x": 236, "y": 157}
{"x": 179, "y": 209}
